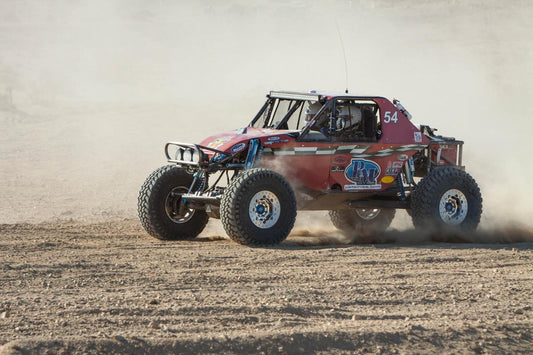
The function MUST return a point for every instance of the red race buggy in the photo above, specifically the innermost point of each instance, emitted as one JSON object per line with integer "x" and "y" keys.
{"x": 359, "y": 157}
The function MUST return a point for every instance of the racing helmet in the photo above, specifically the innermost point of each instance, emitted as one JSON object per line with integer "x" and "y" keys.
{"x": 348, "y": 115}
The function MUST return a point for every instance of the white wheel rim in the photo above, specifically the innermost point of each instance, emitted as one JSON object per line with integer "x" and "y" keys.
{"x": 453, "y": 207}
{"x": 367, "y": 213}
{"x": 264, "y": 209}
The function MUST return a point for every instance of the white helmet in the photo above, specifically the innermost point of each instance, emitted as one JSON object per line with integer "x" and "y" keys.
{"x": 348, "y": 115}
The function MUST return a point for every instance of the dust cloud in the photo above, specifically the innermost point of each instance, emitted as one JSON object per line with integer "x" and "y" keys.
{"x": 324, "y": 237}
{"x": 91, "y": 91}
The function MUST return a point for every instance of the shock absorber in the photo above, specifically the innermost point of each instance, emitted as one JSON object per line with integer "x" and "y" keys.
{"x": 199, "y": 182}
{"x": 252, "y": 152}
{"x": 204, "y": 182}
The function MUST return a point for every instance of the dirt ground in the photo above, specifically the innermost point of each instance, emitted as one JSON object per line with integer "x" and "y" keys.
{"x": 109, "y": 287}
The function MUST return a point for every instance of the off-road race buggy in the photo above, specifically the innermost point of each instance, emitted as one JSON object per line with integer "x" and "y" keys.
{"x": 359, "y": 157}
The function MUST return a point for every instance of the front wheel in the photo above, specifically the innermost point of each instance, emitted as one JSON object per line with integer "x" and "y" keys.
{"x": 160, "y": 207}
{"x": 258, "y": 207}
{"x": 362, "y": 221}
{"x": 447, "y": 197}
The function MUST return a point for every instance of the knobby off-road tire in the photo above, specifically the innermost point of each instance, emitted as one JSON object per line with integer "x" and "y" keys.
{"x": 447, "y": 198}
{"x": 258, "y": 207}
{"x": 160, "y": 190}
{"x": 362, "y": 221}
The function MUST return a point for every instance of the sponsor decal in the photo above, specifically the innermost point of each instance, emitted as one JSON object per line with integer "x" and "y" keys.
{"x": 397, "y": 164}
{"x": 418, "y": 137}
{"x": 387, "y": 179}
{"x": 403, "y": 157}
{"x": 273, "y": 138}
{"x": 337, "y": 169}
{"x": 363, "y": 174}
{"x": 341, "y": 160}
{"x": 237, "y": 147}
{"x": 362, "y": 187}
{"x": 391, "y": 171}
{"x": 275, "y": 142}
{"x": 218, "y": 142}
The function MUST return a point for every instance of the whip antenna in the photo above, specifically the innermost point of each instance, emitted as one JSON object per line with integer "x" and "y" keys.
{"x": 344, "y": 53}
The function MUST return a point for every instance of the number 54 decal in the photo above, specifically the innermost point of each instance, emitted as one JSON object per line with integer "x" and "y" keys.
{"x": 388, "y": 118}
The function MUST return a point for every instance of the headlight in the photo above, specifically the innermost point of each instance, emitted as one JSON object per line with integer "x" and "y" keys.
{"x": 179, "y": 154}
{"x": 187, "y": 154}
{"x": 195, "y": 156}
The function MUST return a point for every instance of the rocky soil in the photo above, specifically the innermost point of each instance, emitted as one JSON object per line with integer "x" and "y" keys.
{"x": 109, "y": 287}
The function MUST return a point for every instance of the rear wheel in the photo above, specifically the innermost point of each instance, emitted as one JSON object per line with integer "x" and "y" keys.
{"x": 447, "y": 197}
{"x": 160, "y": 206}
{"x": 258, "y": 207}
{"x": 356, "y": 221}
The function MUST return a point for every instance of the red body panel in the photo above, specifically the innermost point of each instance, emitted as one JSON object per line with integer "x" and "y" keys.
{"x": 227, "y": 140}
{"x": 403, "y": 131}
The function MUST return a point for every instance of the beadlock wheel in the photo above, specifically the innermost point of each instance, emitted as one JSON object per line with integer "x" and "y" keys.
{"x": 367, "y": 214}
{"x": 453, "y": 207}
{"x": 172, "y": 205}
{"x": 264, "y": 209}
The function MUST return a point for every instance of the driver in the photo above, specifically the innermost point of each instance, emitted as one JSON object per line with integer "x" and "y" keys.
{"x": 348, "y": 122}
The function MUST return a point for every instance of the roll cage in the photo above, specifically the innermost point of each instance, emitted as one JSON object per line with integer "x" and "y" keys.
{"x": 323, "y": 125}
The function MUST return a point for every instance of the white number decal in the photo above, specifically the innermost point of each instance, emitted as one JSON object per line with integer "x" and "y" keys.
{"x": 388, "y": 118}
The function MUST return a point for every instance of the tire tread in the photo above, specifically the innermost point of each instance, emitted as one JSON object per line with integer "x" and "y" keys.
{"x": 233, "y": 199}
{"x": 147, "y": 208}
{"x": 430, "y": 190}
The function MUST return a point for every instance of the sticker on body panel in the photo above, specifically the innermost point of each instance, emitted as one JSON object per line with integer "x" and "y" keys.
{"x": 218, "y": 142}
{"x": 337, "y": 169}
{"x": 418, "y": 137}
{"x": 363, "y": 174}
{"x": 387, "y": 179}
{"x": 277, "y": 141}
{"x": 237, "y": 147}
{"x": 340, "y": 160}
{"x": 397, "y": 164}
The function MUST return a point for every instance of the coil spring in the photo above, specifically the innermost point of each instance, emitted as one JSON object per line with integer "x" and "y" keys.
{"x": 202, "y": 181}
{"x": 200, "y": 184}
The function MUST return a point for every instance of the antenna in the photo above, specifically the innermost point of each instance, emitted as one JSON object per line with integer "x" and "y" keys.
{"x": 344, "y": 53}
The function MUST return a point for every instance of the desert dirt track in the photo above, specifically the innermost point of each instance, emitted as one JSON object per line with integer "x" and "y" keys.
{"x": 108, "y": 287}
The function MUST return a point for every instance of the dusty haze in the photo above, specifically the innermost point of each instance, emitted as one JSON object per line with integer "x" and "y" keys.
{"x": 91, "y": 91}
